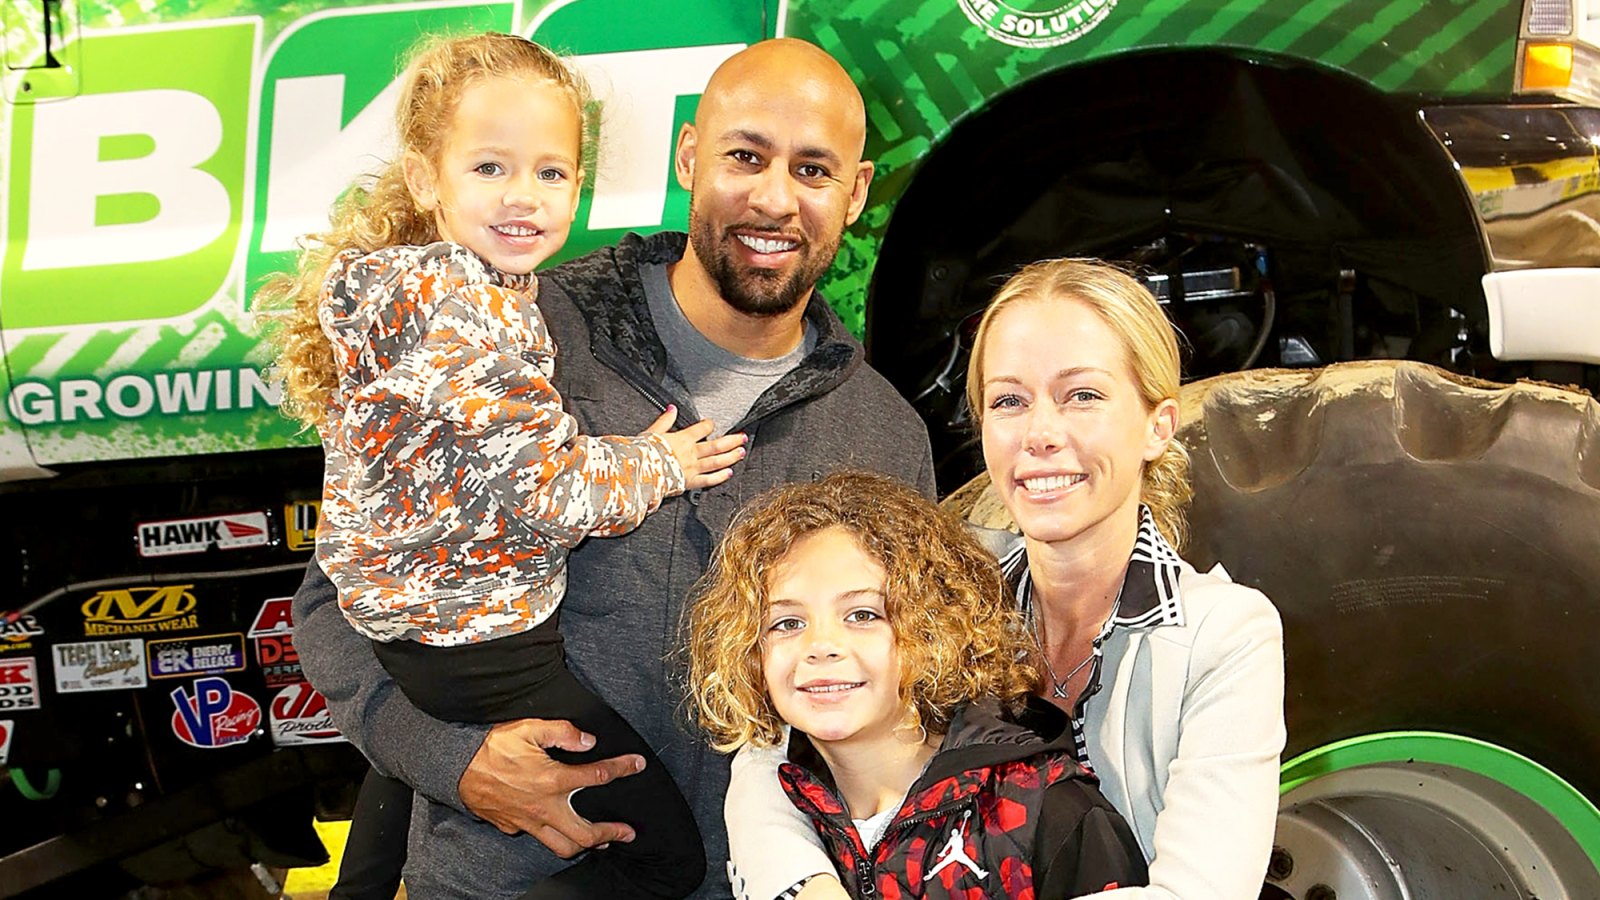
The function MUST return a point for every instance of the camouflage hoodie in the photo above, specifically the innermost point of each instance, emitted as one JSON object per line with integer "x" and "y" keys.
{"x": 454, "y": 481}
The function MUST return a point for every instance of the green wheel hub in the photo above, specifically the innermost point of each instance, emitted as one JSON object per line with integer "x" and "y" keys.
{"x": 1400, "y": 815}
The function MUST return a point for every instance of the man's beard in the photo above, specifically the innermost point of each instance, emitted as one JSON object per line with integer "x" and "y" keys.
{"x": 757, "y": 292}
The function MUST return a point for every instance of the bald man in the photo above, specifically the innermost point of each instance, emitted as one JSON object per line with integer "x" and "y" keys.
{"x": 773, "y": 164}
{"x": 725, "y": 323}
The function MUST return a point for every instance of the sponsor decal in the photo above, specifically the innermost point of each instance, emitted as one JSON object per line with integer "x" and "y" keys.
{"x": 276, "y": 617}
{"x": 215, "y": 715}
{"x": 140, "y": 610}
{"x": 19, "y": 685}
{"x": 275, "y": 652}
{"x": 6, "y": 729}
{"x": 300, "y": 716}
{"x": 18, "y": 633}
{"x": 136, "y": 197}
{"x": 213, "y": 654}
{"x": 1058, "y": 23}
{"x": 280, "y": 664}
{"x": 175, "y": 536}
{"x": 99, "y": 666}
{"x": 301, "y": 524}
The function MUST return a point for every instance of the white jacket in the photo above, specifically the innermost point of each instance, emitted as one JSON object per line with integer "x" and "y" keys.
{"x": 1185, "y": 734}
{"x": 1186, "y": 737}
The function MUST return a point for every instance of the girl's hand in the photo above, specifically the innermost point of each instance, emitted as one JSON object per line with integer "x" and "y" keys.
{"x": 704, "y": 462}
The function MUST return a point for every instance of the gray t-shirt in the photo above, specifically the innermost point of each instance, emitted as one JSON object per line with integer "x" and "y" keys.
{"x": 721, "y": 385}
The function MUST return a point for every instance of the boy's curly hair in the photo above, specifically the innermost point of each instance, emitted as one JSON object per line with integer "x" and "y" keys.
{"x": 959, "y": 634}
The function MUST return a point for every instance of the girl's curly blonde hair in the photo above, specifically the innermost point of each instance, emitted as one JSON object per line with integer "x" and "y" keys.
{"x": 1132, "y": 313}
{"x": 382, "y": 213}
{"x": 957, "y": 630}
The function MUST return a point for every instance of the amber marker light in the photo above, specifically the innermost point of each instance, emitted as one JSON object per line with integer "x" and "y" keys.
{"x": 1547, "y": 67}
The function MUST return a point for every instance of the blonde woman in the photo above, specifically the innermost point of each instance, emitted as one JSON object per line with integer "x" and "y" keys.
{"x": 1172, "y": 678}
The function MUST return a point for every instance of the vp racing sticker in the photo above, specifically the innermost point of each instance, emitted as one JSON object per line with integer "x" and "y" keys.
{"x": 214, "y": 714}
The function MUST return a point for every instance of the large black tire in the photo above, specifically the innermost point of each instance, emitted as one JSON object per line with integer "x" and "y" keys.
{"x": 1433, "y": 545}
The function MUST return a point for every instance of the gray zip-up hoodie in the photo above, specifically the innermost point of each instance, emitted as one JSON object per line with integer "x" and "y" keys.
{"x": 625, "y": 596}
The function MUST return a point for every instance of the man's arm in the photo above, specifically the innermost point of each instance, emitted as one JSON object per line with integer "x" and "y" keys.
{"x": 499, "y": 774}
{"x": 368, "y": 706}
{"x": 925, "y": 483}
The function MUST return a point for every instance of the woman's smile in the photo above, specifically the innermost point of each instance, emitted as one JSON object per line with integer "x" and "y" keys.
{"x": 1040, "y": 486}
{"x": 1066, "y": 433}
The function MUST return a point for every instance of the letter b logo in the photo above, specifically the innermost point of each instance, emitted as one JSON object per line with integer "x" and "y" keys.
{"x": 129, "y": 197}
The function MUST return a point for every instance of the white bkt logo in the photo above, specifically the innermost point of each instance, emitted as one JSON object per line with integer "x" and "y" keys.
{"x": 1060, "y": 24}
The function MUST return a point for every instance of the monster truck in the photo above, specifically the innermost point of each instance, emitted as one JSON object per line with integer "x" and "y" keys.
{"x": 1304, "y": 184}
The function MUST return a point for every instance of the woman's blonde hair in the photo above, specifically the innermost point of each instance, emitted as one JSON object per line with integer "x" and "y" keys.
{"x": 1133, "y": 315}
{"x": 384, "y": 214}
{"x": 957, "y": 629}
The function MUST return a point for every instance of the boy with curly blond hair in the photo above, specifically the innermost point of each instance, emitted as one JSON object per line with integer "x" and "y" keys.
{"x": 852, "y": 611}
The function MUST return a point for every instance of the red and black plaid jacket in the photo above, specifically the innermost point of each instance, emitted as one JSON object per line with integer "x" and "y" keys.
{"x": 1003, "y": 810}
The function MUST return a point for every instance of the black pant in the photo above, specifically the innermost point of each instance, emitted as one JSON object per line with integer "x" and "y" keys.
{"x": 525, "y": 676}
{"x": 375, "y": 851}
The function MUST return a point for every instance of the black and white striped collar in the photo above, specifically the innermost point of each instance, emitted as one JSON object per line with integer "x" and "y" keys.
{"x": 1149, "y": 590}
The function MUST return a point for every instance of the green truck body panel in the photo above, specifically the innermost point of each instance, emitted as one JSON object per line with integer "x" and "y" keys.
{"x": 923, "y": 66}
{"x": 144, "y": 200}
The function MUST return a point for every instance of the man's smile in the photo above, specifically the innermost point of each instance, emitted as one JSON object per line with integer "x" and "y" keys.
{"x": 767, "y": 245}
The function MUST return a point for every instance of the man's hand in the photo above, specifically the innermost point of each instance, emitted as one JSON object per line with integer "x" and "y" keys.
{"x": 514, "y": 785}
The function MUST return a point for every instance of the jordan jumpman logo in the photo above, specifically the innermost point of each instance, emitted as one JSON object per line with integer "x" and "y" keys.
{"x": 955, "y": 851}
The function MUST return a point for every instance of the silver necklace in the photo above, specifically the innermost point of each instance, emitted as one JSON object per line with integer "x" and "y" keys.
{"x": 1058, "y": 686}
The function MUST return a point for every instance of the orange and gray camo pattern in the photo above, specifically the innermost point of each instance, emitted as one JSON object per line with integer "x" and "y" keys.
{"x": 454, "y": 481}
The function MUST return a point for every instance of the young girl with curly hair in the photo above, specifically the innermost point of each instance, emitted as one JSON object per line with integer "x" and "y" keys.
{"x": 857, "y": 614}
{"x": 455, "y": 483}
